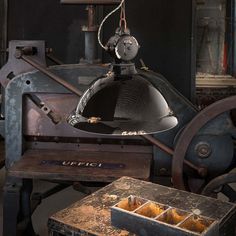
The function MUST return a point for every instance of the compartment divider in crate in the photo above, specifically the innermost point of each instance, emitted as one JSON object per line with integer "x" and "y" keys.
{"x": 151, "y": 210}
{"x": 145, "y": 217}
{"x": 178, "y": 225}
{"x": 173, "y": 216}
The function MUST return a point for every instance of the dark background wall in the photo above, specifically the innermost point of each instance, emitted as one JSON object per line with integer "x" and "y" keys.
{"x": 163, "y": 29}
{"x": 3, "y": 31}
{"x": 59, "y": 25}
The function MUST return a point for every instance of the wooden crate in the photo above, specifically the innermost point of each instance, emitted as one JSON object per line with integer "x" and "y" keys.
{"x": 92, "y": 215}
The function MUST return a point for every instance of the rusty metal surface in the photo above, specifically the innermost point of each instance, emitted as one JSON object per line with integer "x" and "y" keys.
{"x": 82, "y": 165}
{"x": 38, "y": 125}
{"x": 34, "y": 82}
{"x": 92, "y": 215}
{"x": 14, "y": 66}
{"x": 90, "y": 36}
{"x": 87, "y": 145}
{"x": 51, "y": 75}
{"x": 201, "y": 119}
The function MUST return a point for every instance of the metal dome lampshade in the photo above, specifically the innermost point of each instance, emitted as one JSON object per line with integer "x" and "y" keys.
{"x": 123, "y": 106}
{"x": 123, "y": 102}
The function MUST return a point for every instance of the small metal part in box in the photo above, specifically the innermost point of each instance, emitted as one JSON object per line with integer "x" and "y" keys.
{"x": 148, "y": 218}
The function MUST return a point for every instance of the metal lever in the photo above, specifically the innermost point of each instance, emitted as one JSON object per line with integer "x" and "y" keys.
{"x": 201, "y": 170}
{"x": 55, "y": 117}
{"x": 20, "y": 54}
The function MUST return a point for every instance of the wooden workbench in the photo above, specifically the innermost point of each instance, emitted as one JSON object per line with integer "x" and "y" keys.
{"x": 91, "y": 215}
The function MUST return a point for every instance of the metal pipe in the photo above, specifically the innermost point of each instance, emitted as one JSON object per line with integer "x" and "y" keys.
{"x": 90, "y": 31}
{"x": 54, "y": 59}
{"x": 91, "y": 16}
{"x": 51, "y": 75}
{"x": 170, "y": 151}
{"x": 90, "y": 46}
{"x": 159, "y": 144}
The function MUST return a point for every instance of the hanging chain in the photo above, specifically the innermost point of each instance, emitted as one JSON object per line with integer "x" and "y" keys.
{"x": 123, "y": 22}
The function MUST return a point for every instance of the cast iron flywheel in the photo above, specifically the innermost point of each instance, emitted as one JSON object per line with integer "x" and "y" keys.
{"x": 186, "y": 137}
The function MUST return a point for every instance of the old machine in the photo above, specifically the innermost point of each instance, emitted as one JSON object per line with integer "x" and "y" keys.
{"x": 92, "y": 123}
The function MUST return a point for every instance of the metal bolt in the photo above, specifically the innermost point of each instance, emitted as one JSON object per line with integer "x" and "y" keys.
{"x": 203, "y": 149}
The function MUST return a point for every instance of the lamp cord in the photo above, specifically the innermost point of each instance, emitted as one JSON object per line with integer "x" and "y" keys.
{"x": 122, "y": 19}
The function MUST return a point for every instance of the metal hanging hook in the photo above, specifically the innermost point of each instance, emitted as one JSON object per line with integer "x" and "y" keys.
{"x": 123, "y": 21}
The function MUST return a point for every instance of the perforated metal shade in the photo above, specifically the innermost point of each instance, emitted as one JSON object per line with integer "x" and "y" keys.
{"x": 118, "y": 105}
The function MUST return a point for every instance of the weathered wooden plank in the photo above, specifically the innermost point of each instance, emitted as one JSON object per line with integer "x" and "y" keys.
{"x": 92, "y": 215}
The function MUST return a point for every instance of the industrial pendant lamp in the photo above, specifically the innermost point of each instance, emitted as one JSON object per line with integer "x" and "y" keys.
{"x": 122, "y": 102}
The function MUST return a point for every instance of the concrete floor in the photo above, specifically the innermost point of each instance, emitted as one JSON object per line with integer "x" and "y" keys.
{"x": 49, "y": 206}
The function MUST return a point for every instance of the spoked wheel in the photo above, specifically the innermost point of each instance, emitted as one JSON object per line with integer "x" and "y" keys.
{"x": 186, "y": 137}
{"x": 221, "y": 184}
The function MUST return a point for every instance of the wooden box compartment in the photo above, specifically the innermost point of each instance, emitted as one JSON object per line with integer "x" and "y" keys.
{"x": 144, "y": 217}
